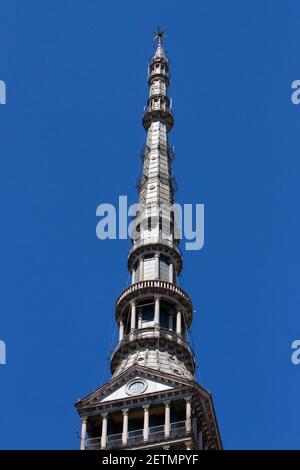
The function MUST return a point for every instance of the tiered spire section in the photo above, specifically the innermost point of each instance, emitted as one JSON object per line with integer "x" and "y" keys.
{"x": 156, "y": 185}
{"x": 154, "y": 313}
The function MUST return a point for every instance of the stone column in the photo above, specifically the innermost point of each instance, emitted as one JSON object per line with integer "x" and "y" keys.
{"x": 171, "y": 272}
{"x": 178, "y": 322}
{"x": 125, "y": 426}
{"x": 146, "y": 423}
{"x": 167, "y": 419}
{"x": 188, "y": 414}
{"x": 83, "y": 432}
{"x": 141, "y": 269}
{"x": 104, "y": 430}
{"x": 156, "y": 258}
{"x": 156, "y": 311}
{"x": 140, "y": 319}
{"x": 121, "y": 330}
{"x": 133, "y": 317}
{"x": 132, "y": 276}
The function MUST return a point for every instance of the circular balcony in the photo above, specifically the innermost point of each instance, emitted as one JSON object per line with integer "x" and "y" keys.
{"x": 148, "y": 245}
{"x": 154, "y": 338}
{"x": 147, "y": 289}
{"x": 161, "y": 95}
{"x": 165, "y": 116}
{"x": 159, "y": 74}
{"x": 160, "y": 58}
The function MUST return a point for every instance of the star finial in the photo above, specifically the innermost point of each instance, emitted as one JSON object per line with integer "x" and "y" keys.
{"x": 159, "y": 35}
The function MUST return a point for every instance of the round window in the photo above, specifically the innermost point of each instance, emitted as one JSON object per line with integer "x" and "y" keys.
{"x": 136, "y": 387}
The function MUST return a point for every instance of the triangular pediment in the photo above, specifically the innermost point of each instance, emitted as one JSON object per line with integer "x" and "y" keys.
{"x": 136, "y": 386}
{"x": 135, "y": 381}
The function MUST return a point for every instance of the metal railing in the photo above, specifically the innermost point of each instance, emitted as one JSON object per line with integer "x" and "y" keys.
{"x": 164, "y": 74}
{"x": 154, "y": 240}
{"x": 160, "y": 108}
{"x": 152, "y": 332}
{"x": 155, "y": 283}
{"x": 137, "y": 436}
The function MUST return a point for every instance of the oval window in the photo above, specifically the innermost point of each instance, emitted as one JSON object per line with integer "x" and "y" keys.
{"x": 136, "y": 387}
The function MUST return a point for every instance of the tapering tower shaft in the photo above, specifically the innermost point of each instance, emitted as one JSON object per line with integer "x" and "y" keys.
{"x": 154, "y": 313}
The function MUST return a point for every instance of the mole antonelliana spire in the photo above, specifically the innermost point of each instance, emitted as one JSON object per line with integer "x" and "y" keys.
{"x": 152, "y": 400}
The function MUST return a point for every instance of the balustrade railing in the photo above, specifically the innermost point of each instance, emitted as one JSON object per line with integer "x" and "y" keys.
{"x": 136, "y": 436}
{"x": 155, "y": 333}
{"x": 155, "y": 283}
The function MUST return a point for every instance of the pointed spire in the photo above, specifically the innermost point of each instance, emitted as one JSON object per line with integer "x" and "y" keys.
{"x": 159, "y": 35}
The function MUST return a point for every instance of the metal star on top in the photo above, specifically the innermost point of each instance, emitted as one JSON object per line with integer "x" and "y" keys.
{"x": 159, "y": 35}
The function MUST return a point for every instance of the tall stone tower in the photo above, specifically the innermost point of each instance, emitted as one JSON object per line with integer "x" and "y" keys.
{"x": 152, "y": 400}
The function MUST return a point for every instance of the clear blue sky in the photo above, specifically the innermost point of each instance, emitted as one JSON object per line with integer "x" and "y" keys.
{"x": 70, "y": 139}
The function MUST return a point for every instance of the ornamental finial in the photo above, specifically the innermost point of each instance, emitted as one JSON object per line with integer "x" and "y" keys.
{"x": 159, "y": 35}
